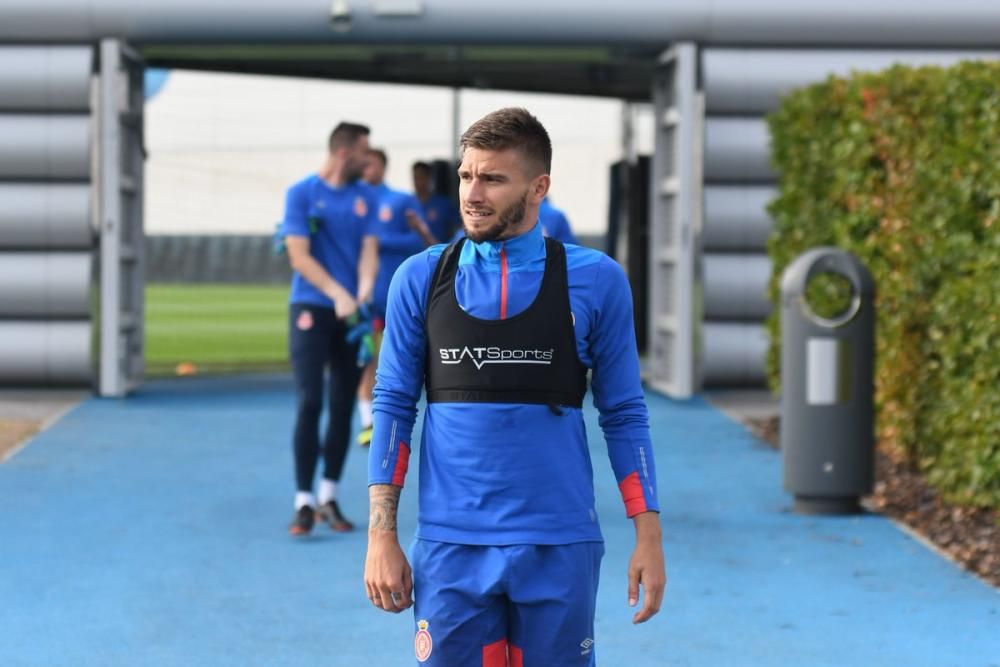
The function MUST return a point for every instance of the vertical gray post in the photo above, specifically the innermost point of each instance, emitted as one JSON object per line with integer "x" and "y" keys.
{"x": 675, "y": 310}
{"x": 111, "y": 381}
{"x": 629, "y": 152}
{"x": 120, "y": 178}
{"x": 456, "y": 122}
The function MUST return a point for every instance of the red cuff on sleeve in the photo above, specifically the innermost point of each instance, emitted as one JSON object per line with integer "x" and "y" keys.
{"x": 635, "y": 501}
{"x": 403, "y": 464}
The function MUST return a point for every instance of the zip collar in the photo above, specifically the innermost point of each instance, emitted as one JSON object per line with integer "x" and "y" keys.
{"x": 519, "y": 250}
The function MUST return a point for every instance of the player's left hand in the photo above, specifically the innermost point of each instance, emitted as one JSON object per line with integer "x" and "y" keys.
{"x": 388, "y": 577}
{"x": 646, "y": 568}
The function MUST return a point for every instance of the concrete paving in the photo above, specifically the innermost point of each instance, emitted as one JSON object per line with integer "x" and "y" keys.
{"x": 43, "y": 405}
{"x": 24, "y": 412}
{"x": 739, "y": 404}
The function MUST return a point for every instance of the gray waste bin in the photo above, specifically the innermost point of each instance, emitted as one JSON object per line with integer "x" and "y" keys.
{"x": 827, "y": 411}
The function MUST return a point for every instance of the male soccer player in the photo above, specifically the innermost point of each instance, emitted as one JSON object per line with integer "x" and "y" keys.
{"x": 555, "y": 224}
{"x": 330, "y": 237}
{"x": 402, "y": 232}
{"x": 441, "y": 215}
{"x": 501, "y": 328}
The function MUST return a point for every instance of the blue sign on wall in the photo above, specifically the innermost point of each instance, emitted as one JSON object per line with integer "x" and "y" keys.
{"x": 154, "y": 81}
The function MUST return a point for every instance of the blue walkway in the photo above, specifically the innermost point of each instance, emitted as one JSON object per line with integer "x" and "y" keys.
{"x": 151, "y": 531}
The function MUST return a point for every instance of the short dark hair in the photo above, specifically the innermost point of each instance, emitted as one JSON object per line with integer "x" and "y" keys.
{"x": 511, "y": 128}
{"x": 421, "y": 165}
{"x": 346, "y": 135}
{"x": 380, "y": 154}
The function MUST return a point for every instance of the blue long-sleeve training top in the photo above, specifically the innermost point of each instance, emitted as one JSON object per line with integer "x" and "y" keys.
{"x": 503, "y": 473}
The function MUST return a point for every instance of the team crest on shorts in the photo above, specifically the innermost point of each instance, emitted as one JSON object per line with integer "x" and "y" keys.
{"x": 360, "y": 207}
{"x": 385, "y": 213}
{"x": 422, "y": 643}
{"x": 305, "y": 321}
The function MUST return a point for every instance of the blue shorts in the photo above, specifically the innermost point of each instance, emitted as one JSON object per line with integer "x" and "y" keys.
{"x": 516, "y": 606}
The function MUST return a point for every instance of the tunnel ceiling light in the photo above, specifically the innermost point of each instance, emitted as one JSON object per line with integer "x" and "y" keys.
{"x": 397, "y": 7}
{"x": 340, "y": 15}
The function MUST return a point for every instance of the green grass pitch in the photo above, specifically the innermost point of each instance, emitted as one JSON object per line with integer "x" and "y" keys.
{"x": 216, "y": 328}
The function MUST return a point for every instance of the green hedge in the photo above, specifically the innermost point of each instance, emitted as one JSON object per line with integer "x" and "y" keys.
{"x": 902, "y": 168}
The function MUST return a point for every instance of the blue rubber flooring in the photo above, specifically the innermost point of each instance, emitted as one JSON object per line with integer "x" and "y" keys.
{"x": 152, "y": 531}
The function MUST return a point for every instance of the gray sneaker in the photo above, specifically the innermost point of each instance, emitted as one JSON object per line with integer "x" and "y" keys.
{"x": 329, "y": 513}
{"x": 302, "y": 522}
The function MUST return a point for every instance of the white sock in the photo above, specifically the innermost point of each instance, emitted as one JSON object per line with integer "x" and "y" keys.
{"x": 365, "y": 412}
{"x": 303, "y": 498}
{"x": 327, "y": 490}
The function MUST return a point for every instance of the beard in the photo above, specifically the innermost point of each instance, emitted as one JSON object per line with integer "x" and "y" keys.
{"x": 509, "y": 217}
{"x": 354, "y": 172}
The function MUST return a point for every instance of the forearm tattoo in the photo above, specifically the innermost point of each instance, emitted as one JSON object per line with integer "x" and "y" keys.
{"x": 384, "y": 501}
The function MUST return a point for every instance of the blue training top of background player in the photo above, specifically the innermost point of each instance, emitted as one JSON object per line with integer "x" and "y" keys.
{"x": 555, "y": 225}
{"x": 336, "y": 220}
{"x": 396, "y": 239}
{"x": 441, "y": 217}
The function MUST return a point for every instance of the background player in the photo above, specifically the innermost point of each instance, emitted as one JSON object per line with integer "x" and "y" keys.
{"x": 555, "y": 224}
{"x": 330, "y": 237}
{"x": 438, "y": 210}
{"x": 402, "y": 232}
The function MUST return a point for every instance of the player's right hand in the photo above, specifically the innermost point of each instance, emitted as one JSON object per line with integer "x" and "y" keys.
{"x": 388, "y": 577}
{"x": 344, "y": 306}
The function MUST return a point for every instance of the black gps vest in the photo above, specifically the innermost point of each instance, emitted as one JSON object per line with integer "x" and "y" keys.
{"x": 528, "y": 358}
